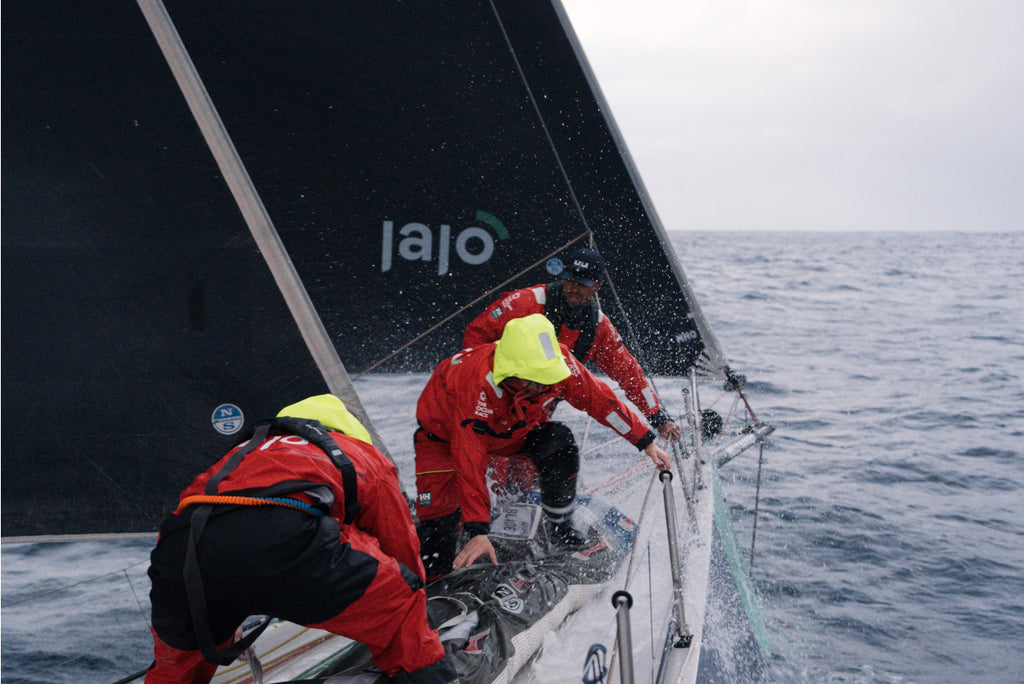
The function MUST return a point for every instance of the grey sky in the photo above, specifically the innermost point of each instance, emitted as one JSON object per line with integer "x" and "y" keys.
{"x": 818, "y": 114}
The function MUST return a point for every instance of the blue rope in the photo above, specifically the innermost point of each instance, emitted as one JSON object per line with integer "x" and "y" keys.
{"x": 292, "y": 502}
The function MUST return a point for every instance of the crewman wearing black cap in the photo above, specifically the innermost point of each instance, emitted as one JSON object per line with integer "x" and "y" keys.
{"x": 573, "y": 309}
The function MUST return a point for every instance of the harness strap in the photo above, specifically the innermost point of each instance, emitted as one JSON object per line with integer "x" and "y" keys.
{"x": 197, "y": 599}
{"x": 259, "y": 435}
{"x": 428, "y": 435}
{"x": 314, "y": 433}
{"x": 481, "y": 427}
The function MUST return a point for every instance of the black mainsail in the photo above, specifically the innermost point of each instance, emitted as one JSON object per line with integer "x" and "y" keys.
{"x": 416, "y": 159}
{"x": 410, "y": 162}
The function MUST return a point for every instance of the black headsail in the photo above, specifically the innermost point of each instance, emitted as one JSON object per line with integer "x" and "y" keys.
{"x": 415, "y": 158}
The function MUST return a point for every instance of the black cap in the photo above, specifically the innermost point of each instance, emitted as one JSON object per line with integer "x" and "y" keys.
{"x": 584, "y": 266}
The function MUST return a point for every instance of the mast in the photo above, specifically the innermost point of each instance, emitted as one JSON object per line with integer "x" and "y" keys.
{"x": 255, "y": 213}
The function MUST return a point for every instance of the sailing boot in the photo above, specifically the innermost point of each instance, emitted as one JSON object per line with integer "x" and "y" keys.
{"x": 563, "y": 535}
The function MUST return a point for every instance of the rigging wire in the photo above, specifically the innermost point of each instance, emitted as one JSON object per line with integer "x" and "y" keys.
{"x": 37, "y": 675}
{"x": 632, "y": 556}
{"x": 138, "y": 601}
{"x": 634, "y": 340}
{"x": 126, "y": 496}
{"x": 650, "y": 604}
{"x": 540, "y": 118}
{"x": 56, "y": 667}
{"x": 44, "y": 594}
{"x": 750, "y": 410}
{"x": 488, "y": 293}
{"x": 757, "y": 502}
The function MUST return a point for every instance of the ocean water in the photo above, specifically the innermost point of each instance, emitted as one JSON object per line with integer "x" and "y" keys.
{"x": 890, "y": 538}
{"x": 889, "y": 535}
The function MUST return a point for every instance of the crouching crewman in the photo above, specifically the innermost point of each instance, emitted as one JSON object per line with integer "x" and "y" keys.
{"x": 305, "y": 522}
{"x": 496, "y": 401}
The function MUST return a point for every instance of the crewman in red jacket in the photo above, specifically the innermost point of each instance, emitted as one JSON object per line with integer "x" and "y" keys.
{"x": 572, "y": 307}
{"x": 304, "y": 521}
{"x": 496, "y": 399}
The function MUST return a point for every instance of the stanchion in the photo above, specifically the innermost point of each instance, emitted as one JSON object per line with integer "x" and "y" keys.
{"x": 622, "y": 602}
{"x": 684, "y": 637}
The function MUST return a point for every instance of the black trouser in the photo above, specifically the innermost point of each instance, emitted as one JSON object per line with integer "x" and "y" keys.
{"x": 551, "y": 447}
{"x": 255, "y": 560}
{"x": 439, "y": 538}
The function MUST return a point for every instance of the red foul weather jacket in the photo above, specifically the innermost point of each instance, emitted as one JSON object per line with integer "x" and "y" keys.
{"x": 461, "y": 406}
{"x": 603, "y": 344}
{"x": 383, "y": 609}
{"x": 289, "y": 458}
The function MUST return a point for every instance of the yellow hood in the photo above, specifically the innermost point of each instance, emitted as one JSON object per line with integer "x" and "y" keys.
{"x": 528, "y": 349}
{"x": 331, "y": 413}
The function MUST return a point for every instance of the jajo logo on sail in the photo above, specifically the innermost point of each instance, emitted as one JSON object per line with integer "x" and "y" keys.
{"x": 417, "y": 242}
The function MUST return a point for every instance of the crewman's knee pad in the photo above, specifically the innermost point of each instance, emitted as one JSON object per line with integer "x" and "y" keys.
{"x": 552, "y": 448}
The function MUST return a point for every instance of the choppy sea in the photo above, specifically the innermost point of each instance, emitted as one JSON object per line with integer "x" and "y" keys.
{"x": 889, "y": 536}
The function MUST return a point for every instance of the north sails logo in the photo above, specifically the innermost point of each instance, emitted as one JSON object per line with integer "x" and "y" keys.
{"x": 227, "y": 419}
{"x": 473, "y": 245}
{"x": 508, "y": 599}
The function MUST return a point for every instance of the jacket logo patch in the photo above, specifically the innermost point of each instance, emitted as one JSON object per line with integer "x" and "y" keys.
{"x": 482, "y": 410}
{"x": 423, "y": 499}
{"x": 507, "y": 301}
{"x": 496, "y": 312}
